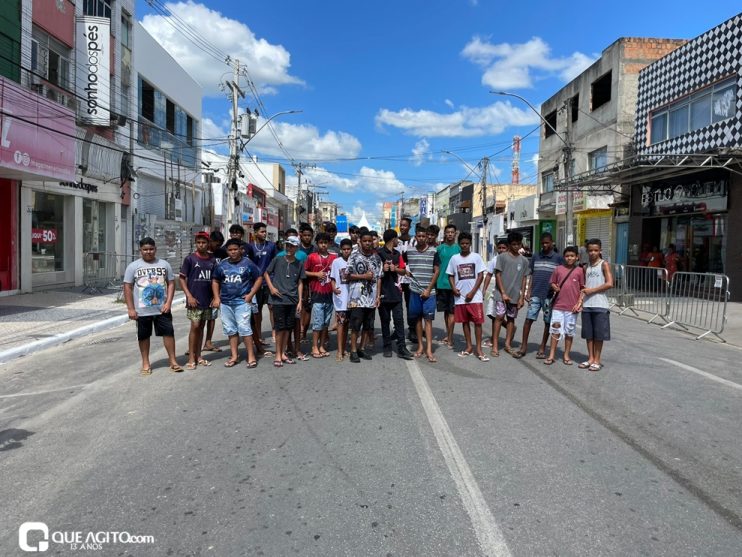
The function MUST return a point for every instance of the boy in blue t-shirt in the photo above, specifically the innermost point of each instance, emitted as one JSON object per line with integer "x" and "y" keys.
{"x": 235, "y": 282}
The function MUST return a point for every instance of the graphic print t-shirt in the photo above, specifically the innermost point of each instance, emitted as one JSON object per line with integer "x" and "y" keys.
{"x": 150, "y": 284}
{"x": 362, "y": 293}
{"x": 197, "y": 272}
{"x": 465, "y": 271}
{"x": 339, "y": 273}
{"x": 237, "y": 279}
{"x": 321, "y": 290}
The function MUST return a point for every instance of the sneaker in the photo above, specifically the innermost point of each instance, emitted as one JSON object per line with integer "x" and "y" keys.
{"x": 364, "y": 355}
{"x": 354, "y": 358}
{"x": 405, "y": 354}
{"x": 387, "y": 353}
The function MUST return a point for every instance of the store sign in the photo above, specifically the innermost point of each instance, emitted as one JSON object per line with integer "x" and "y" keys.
{"x": 44, "y": 235}
{"x": 695, "y": 197}
{"x": 28, "y": 143}
{"x": 93, "y": 70}
{"x": 84, "y": 186}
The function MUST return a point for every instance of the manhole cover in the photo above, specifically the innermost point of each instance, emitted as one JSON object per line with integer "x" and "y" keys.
{"x": 104, "y": 341}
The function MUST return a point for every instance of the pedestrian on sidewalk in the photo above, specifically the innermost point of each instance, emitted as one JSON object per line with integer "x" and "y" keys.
{"x": 423, "y": 268}
{"x": 596, "y": 325}
{"x": 390, "y": 308}
{"x": 493, "y": 295}
{"x": 444, "y": 295}
{"x": 235, "y": 282}
{"x": 465, "y": 274}
{"x": 149, "y": 287}
{"x": 511, "y": 272}
{"x": 364, "y": 279}
{"x": 285, "y": 279}
{"x": 216, "y": 239}
{"x": 195, "y": 282}
{"x": 292, "y": 348}
{"x": 567, "y": 282}
{"x": 339, "y": 279}
{"x": 539, "y": 295}
{"x": 317, "y": 269}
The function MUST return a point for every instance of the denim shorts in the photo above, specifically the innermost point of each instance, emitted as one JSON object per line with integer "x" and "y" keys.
{"x": 563, "y": 323}
{"x": 421, "y": 307}
{"x": 321, "y": 315}
{"x": 536, "y": 305}
{"x": 236, "y": 319}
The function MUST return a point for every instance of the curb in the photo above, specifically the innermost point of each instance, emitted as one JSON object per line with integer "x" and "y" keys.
{"x": 56, "y": 340}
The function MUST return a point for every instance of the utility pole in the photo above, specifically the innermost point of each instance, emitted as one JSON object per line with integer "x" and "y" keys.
{"x": 299, "y": 168}
{"x": 568, "y": 204}
{"x": 485, "y": 165}
{"x": 234, "y": 143}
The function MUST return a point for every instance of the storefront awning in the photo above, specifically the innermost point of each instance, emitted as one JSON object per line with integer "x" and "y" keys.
{"x": 648, "y": 168}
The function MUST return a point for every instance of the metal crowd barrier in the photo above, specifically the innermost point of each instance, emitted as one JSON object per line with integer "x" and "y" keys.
{"x": 104, "y": 271}
{"x": 690, "y": 300}
{"x": 642, "y": 289}
{"x": 699, "y": 301}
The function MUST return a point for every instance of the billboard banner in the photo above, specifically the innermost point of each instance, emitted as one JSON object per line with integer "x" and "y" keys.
{"x": 341, "y": 221}
{"x": 93, "y": 70}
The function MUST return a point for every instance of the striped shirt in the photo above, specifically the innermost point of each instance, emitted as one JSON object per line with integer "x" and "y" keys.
{"x": 422, "y": 266}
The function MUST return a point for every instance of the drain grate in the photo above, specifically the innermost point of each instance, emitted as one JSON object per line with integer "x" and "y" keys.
{"x": 104, "y": 341}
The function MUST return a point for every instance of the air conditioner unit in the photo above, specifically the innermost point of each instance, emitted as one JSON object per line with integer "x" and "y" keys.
{"x": 36, "y": 79}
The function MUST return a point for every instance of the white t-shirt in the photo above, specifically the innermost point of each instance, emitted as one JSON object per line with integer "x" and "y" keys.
{"x": 465, "y": 271}
{"x": 339, "y": 273}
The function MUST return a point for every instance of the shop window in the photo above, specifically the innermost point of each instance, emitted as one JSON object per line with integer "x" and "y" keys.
{"x": 50, "y": 60}
{"x": 551, "y": 123}
{"x": 600, "y": 90}
{"x": 47, "y": 233}
{"x": 598, "y": 159}
{"x": 93, "y": 226}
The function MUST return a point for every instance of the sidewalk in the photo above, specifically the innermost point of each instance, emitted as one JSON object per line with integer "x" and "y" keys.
{"x": 33, "y": 322}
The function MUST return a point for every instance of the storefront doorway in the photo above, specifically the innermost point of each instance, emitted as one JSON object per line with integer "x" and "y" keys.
{"x": 8, "y": 235}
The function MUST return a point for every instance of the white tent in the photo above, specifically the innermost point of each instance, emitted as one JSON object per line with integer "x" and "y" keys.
{"x": 363, "y": 222}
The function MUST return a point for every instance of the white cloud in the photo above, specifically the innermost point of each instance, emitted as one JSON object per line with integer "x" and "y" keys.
{"x": 449, "y": 103}
{"x": 516, "y": 66}
{"x": 305, "y": 141}
{"x": 268, "y": 64}
{"x": 465, "y": 122}
{"x": 366, "y": 181}
{"x": 419, "y": 151}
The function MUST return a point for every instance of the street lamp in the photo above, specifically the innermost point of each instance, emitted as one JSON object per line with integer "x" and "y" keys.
{"x": 483, "y": 185}
{"x": 248, "y": 121}
{"x": 569, "y": 216}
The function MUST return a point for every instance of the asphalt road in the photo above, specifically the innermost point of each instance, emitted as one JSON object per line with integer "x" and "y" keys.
{"x": 461, "y": 457}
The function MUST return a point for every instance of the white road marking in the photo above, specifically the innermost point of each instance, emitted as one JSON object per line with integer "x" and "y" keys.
{"x": 490, "y": 537}
{"x": 45, "y": 392}
{"x": 703, "y": 374}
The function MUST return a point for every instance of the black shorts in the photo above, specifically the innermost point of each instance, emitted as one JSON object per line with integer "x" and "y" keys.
{"x": 445, "y": 300}
{"x": 361, "y": 318}
{"x": 262, "y": 296}
{"x": 284, "y": 317}
{"x": 163, "y": 323}
{"x": 596, "y": 324}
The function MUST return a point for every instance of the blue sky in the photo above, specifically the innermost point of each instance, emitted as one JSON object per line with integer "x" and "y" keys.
{"x": 394, "y": 84}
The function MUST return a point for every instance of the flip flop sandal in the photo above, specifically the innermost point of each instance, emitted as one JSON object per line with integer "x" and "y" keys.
{"x": 567, "y": 362}
{"x": 486, "y": 343}
{"x": 432, "y": 360}
{"x": 339, "y": 358}
{"x": 483, "y": 358}
{"x": 277, "y": 363}
{"x": 145, "y": 371}
{"x": 463, "y": 354}
{"x": 509, "y": 350}
{"x": 518, "y": 355}
{"x": 495, "y": 354}
{"x": 190, "y": 366}
{"x": 548, "y": 361}
{"x": 289, "y": 361}
{"x": 303, "y": 358}
{"x": 203, "y": 362}
{"x": 584, "y": 365}
{"x": 540, "y": 356}
{"x": 213, "y": 349}
{"x": 324, "y": 354}
{"x": 176, "y": 368}
{"x": 595, "y": 367}
{"x": 251, "y": 365}
{"x": 317, "y": 356}
{"x": 418, "y": 355}
{"x": 231, "y": 363}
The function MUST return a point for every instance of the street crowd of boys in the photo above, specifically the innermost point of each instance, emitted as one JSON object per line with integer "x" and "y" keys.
{"x": 315, "y": 285}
